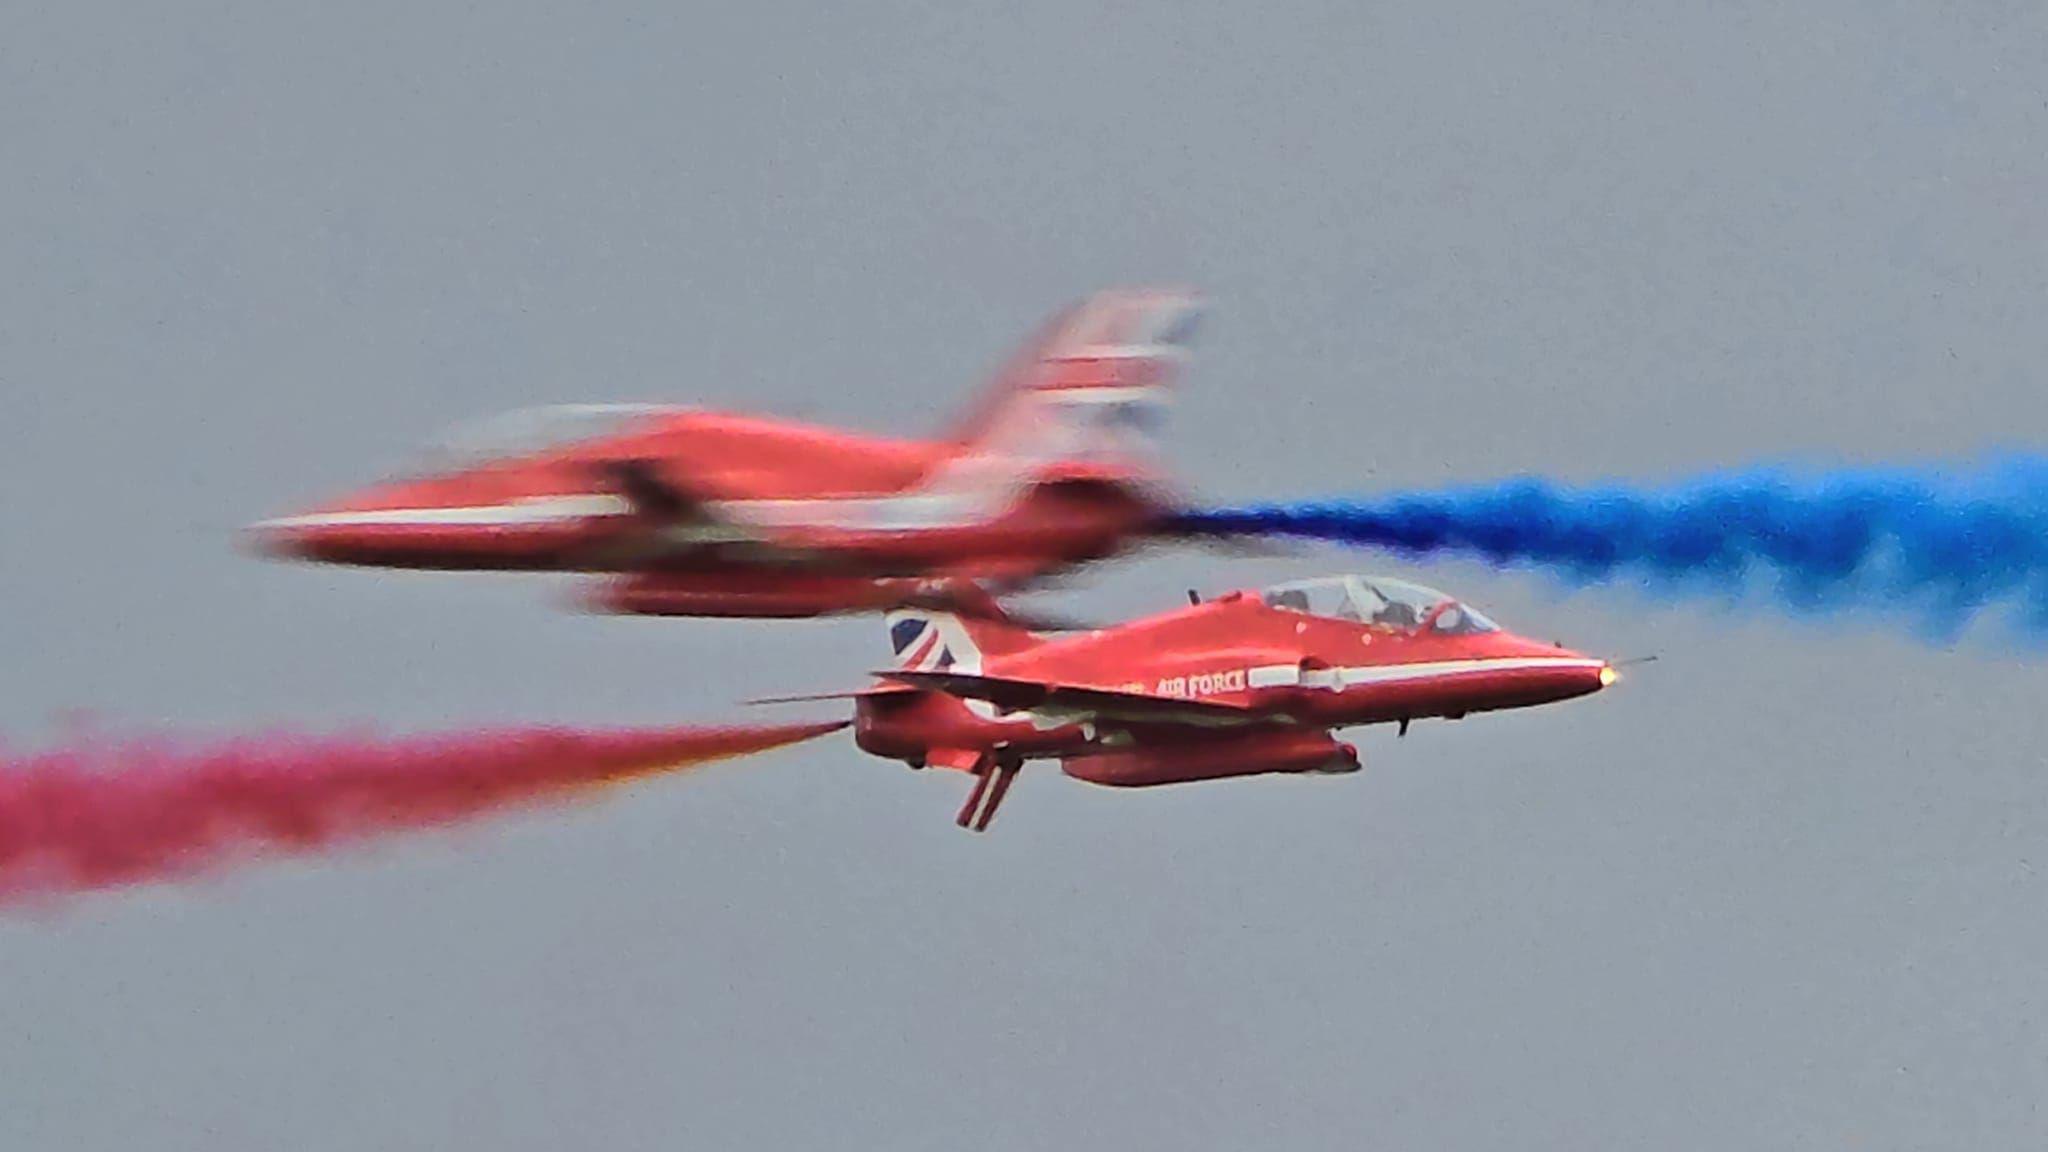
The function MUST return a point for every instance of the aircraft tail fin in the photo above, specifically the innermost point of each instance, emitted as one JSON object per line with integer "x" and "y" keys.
{"x": 1091, "y": 386}
{"x": 970, "y": 627}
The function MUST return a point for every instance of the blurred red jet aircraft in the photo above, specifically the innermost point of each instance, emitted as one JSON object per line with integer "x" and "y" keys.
{"x": 714, "y": 514}
{"x": 1246, "y": 684}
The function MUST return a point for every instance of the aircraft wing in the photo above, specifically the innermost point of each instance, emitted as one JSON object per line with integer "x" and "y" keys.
{"x": 664, "y": 490}
{"x": 1030, "y": 695}
{"x": 691, "y": 513}
{"x": 650, "y": 489}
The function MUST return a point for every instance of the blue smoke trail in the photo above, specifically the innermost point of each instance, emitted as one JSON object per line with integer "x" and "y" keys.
{"x": 1937, "y": 545}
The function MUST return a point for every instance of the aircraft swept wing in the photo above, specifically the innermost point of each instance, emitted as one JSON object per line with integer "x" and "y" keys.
{"x": 1110, "y": 704}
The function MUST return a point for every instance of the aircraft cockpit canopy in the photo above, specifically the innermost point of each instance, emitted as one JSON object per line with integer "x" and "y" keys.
{"x": 1379, "y": 600}
{"x": 526, "y": 431}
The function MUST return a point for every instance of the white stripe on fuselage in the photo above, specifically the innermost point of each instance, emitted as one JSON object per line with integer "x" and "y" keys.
{"x": 1427, "y": 670}
{"x": 543, "y": 510}
{"x": 1280, "y": 675}
{"x": 1336, "y": 679}
{"x": 728, "y": 519}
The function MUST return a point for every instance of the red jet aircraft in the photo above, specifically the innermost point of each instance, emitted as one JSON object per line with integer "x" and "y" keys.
{"x": 714, "y": 514}
{"x": 1246, "y": 684}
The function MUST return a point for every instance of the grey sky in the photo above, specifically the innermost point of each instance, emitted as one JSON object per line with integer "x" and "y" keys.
{"x": 1782, "y": 890}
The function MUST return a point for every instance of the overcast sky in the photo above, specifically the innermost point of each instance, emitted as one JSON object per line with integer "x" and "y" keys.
{"x": 1784, "y": 889}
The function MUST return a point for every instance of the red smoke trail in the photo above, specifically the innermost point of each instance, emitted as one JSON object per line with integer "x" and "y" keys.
{"x": 103, "y": 815}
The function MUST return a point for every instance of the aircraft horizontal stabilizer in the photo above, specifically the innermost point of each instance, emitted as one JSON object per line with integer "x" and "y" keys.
{"x": 869, "y": 692}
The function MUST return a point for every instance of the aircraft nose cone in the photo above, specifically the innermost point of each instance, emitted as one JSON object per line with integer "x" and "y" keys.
{"x": 293, "y": 537}
{"x": 275, "y": 539}
{"x": 1570, "y": 671}
{"x": 334, "y": 530}
{"x": 375, "y": 525}
{"x": 1596, "y": 670}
